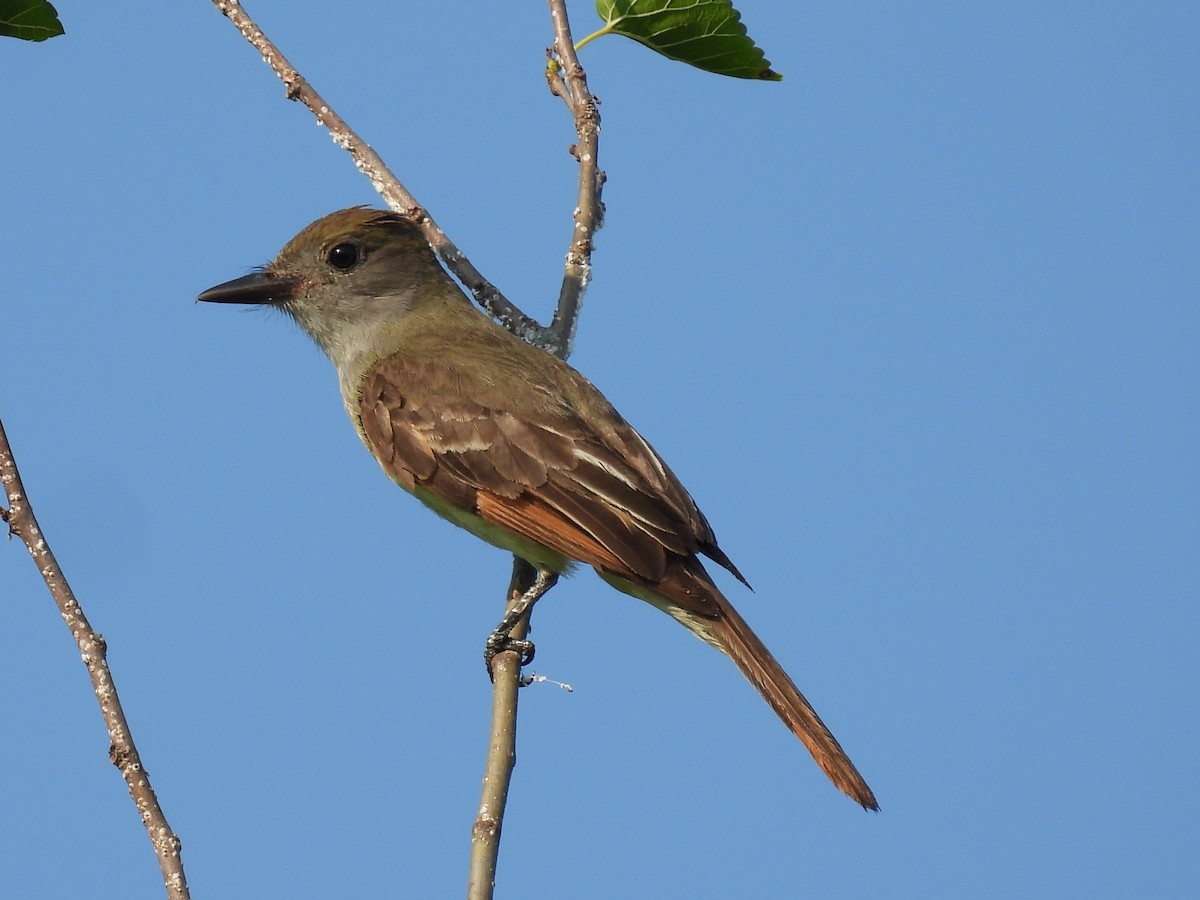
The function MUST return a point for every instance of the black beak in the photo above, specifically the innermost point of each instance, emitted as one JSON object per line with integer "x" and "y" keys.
{"x": 260, "y": 287}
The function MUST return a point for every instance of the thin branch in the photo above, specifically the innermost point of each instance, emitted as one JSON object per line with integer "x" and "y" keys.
{"x": 502, "y": 750}
{"x": 122, "y": 751}
{"x": 570, "y": 84}
{"x": 394, "y": 194}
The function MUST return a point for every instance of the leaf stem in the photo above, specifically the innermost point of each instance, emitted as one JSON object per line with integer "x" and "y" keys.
{"x": 583, "y": 42}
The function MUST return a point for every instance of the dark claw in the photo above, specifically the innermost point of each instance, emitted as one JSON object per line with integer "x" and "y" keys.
{"x": 499, "y": 642}
{"x": 519, "y": 609}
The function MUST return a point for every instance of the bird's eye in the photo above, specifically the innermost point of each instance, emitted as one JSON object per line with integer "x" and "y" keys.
{"x": 343, "y": 256}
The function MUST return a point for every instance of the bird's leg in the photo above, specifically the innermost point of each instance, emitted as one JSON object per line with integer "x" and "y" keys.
{"x": 501, "y": 638}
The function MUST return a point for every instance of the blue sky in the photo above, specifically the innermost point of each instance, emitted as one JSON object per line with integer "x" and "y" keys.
{"x": 917, "y": 326}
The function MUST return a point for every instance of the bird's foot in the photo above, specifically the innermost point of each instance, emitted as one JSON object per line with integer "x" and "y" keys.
{"x": 501, "y": 642}
{"x": 501, "y": 638}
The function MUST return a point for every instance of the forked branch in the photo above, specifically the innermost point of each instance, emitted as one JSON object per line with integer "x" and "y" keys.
{"x": 567, "y": 81}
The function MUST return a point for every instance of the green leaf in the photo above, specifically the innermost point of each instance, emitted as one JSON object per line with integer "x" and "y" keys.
{"x": 29, "y": 20}
{"x": 707, "y": 34}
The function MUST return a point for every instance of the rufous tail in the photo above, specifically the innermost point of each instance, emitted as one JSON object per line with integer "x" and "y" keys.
{"x": 731, "y": 633}
{"x": 687, "y": 594}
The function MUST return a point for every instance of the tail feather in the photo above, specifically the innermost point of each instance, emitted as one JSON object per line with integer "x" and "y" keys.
{"x": 735, "y": 637}
{"x": 687, "y": 594}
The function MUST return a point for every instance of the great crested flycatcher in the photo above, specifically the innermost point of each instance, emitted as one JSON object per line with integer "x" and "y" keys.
{"x": 508, "y": 441}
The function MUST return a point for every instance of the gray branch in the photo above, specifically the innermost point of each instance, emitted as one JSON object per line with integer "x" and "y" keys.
{"x": 568, "y": 81}
{"x": 122, "y": 752}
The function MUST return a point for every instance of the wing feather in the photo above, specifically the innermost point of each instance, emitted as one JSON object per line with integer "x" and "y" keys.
{"x": 547, "y": 475}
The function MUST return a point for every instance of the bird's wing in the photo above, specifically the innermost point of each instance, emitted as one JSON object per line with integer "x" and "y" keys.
{"x": 604, "y": 499}
{"x": 549, "y": 477}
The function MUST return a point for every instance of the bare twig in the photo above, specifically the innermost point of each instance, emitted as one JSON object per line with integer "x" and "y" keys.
{"x": 22, "y": 523}
{"x": 570, "y": 83}
{"x": 385, "y": 182}
{"x": 502, "y": 750}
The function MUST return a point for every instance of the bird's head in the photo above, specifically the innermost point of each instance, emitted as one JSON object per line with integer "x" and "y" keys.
{"x": 345, "y": 277}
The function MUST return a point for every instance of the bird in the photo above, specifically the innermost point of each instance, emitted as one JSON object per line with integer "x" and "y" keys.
{"x": 509, "y": 442}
